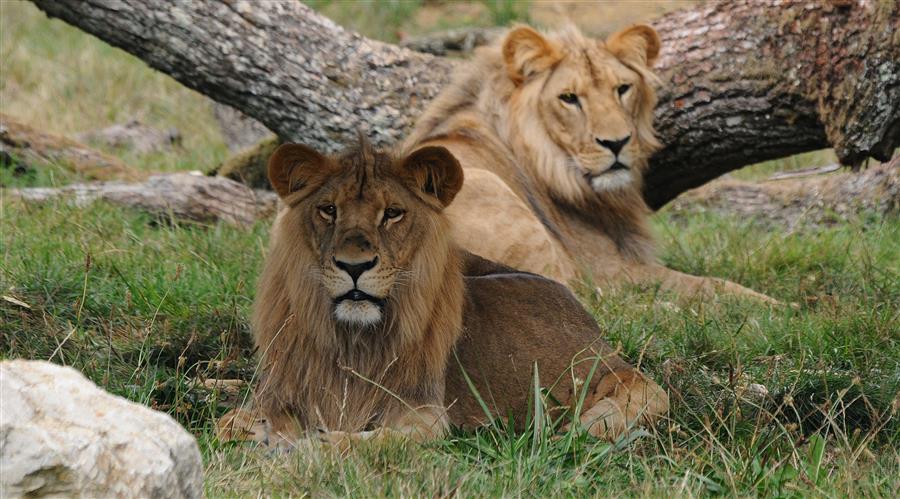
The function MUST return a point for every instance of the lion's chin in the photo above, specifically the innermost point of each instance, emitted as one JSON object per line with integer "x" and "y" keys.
{"x": 358, "y": 313}
{"x": 611, "y": 180}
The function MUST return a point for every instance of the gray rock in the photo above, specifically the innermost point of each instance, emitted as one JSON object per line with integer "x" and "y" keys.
{"x": 62, "y": 436}
{"x": 133, "y": 135}
{"x": 239, "y": 130}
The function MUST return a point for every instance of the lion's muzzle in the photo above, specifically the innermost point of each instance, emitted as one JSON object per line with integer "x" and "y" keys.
{"x": 356, "y": 288}
{"x": 358, "y": 295}
{"x": 354, "y": 270}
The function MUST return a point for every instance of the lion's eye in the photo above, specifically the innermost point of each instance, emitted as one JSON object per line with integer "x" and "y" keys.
{"x": 327, "y": 211}
{"x": 622, "y": 89}
{"x": 393, "y": 214}
{"x": 569, "y": 98}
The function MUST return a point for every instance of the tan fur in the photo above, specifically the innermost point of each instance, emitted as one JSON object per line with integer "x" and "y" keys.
{"x": 447, "y": 312}
{"x": 539, "y": 172}
{"x": 318, "y": 372}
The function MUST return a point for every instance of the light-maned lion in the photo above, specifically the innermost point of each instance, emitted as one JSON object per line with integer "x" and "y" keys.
{"x": 554, "y": 133}
{"x": 364, "y": 297}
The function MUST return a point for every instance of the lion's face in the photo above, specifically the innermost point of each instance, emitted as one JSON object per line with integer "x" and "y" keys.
{"x": 364, "y": 215}
{"x": 592, "y": 101}
{"x": 591, "y": 118}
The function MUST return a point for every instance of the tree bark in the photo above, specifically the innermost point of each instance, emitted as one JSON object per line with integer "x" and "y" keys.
{"x": 792, "y": 203}
{"x": 753, "y": 80}
{"x": 184, "y": 196}
{"x": 746, "y": 80}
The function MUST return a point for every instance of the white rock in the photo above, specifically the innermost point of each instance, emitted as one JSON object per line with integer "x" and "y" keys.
{"x": 62, "y": 436}
{"x": 756, "y": 391}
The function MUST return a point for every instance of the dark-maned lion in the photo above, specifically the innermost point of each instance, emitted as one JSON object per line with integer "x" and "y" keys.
{"x": 364, "y": 297}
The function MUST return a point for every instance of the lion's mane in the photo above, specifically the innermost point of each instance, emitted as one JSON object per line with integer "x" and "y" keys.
{"x": 481, "y": 106}
{"x": 306, "y": 354}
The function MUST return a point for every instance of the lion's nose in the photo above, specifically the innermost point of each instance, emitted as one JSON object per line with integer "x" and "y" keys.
{"x": 355, "y": 269}
{"x": 614, "y": 145}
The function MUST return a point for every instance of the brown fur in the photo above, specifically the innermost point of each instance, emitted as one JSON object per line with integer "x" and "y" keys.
{"x": 318, "y": 372}
{"x": 516, "y": 322}
{"x": 542, "y": 193}
{"x": 398, "y": 375}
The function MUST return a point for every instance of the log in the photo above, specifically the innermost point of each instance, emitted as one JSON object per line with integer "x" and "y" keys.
{"x": 25, "y": 149}
{"x": 185, "y": 196}
{"x": 806, "y": 172}
{"x": 300, "y": 74}
{"x": 746, "y": 80}
{"x": 754, "y": 80}
{"x": 799, "y": 202}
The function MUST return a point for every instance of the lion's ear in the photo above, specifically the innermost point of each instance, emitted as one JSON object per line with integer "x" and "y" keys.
{"x": 294, "y": 167}
{"x": 639, "y": 44}
{"x": 527, "y": 52}
{"x": 435, "y": 172}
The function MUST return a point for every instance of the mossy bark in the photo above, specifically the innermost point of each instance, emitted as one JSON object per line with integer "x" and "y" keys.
{"x": 746, "y": 80}
{"x": 249, "y": 166}
{"x": 24, "y": 148}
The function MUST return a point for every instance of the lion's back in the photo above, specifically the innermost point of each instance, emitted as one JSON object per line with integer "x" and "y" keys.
{"x": 513, "y": 320}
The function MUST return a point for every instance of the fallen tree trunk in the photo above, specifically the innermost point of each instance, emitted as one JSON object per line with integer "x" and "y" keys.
{"x": 795, "y": 202}
{"x": 24, "y": 149}
{"x": 754, "y": 80}
{"x": 746, "y": 80}
{"x": 183, "y": 196}
{"x": 809, "y": 200}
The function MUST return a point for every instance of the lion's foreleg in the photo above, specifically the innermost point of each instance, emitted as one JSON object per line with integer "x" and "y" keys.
{"x": 690, "y": 286}
{"x": 241, "y": 424}
{"x": 621, "y": 400}
{"x": 420, "y": 425}
{"x": 248, "y": 424}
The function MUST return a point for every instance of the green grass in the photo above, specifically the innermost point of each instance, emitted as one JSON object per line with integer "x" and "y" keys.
{"x": 391, "y": 20}
{"x": 135, "y": 302}
{"x": 762, "y": 171}
{"x": 380, "y": 20}
{"x": 55, "y": 78}
{"x": 44, "y": 173}
{"x": 505, "y": 12}
{"x": 148, "y": 308}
